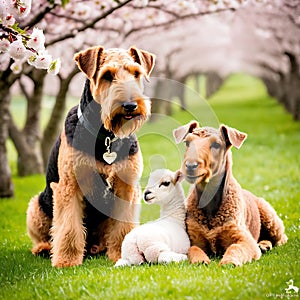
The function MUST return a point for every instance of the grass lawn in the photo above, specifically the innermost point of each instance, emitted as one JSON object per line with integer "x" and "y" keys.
{"x": 268, "y": 164}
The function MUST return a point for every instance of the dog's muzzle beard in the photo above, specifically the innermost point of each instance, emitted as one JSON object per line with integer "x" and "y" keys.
{"x": 194, "y": 174}
{"x": 127, "y": 117}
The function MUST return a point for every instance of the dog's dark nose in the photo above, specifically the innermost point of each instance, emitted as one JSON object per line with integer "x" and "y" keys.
{"x": 129, "y": 106}
{"x": 191, "y": 165}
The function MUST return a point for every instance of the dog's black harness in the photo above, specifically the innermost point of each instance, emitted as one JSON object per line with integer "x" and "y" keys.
{"x": 85, "y": 131}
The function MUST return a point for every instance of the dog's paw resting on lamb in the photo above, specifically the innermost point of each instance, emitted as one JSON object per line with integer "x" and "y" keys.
{"x": 165, "y": 239}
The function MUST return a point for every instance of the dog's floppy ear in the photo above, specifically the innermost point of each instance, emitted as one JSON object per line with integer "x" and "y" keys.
{"x": 181, "y": 132}
{"x": 144, "y": 58}
{"x": 88, "y": 60}
{"x": 232, "y": 136}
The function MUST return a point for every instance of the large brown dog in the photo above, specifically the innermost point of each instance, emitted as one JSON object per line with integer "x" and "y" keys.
{"x": 222, "y": 218}
{"x": 92, "y": 190}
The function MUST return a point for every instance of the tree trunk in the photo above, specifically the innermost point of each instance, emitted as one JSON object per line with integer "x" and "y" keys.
{"x": 213, "y": 83}
{"x": 6, "y": 185}
{"x": 286, "y": 90}
{"x": 161, "y": 101}
{"x": 292, "y": 83}
{"x": 54, "y": 124}
{"x": 179, "y": 92}
{"x": 27, "y": 141}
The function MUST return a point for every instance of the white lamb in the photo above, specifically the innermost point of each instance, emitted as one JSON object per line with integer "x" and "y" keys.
{"x": 165, "y": 239}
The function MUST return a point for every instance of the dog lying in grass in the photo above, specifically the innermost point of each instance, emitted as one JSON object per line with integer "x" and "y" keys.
{"x": 222, "y": 218}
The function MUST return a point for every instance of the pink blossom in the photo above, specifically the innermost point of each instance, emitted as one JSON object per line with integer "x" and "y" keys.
{"x": 37, "y": 40}
{"x": 22, "y": 7}
{"x": 42, "y": 61}
{"x": 4, "y": 61}
{"x": 141, "y": 3}
{"x": 4, "y": 45}
{"x": 9, "y": 20}
{"x": 6, "y": 7}
{"x": 81, "y": 10}
{"x": 104, "y": 4}
{"x": 17, "y": 66}
{"x": 32, "y": 58}
{"x": 54, "y": 67}
{"x": 17, "y": 50}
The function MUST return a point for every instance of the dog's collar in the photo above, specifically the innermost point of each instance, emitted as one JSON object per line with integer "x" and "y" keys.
{"x": 105, "y": 136}
{"x": 99, "y": 133}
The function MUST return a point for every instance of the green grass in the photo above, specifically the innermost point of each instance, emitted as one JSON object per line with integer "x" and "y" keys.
{"x": 268, "y": 164}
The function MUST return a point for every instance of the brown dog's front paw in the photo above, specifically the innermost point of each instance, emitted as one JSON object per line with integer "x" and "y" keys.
{"x": 265, "y": 246}
{"x": 63, "y": 263}
{"x": 227, "y": 260}
{"x": 197, "y": 255}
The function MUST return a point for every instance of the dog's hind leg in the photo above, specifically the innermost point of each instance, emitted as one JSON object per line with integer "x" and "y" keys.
{"x": 114, "y": 235}
{"x": 38, "y": 227}
{"x": 272, "y": 227}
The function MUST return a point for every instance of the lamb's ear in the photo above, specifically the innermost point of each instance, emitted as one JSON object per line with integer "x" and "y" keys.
{"x": 144, "y": 58}
{"x": 181, "y": 132}
{"x": 232, "y": 136}
{"x": 89, "y": 60}
{"x": 178, "y": 177}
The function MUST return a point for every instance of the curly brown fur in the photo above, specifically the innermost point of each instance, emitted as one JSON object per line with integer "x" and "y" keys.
{"x": 222, "y": 218}
{"x": 89, "y": 203}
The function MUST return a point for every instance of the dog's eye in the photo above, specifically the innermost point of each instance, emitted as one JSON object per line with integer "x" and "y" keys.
{"x": 165, "y": 183}
{"x": 108, "y": 76}
{"x": 215, "y": 145}
{"x": 137, "y": 74}
{"x": 187, "y": 143}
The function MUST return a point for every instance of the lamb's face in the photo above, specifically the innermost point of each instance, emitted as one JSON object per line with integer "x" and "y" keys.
{"x": 161, "y": 185}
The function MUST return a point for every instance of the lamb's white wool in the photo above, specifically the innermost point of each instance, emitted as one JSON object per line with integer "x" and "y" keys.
{"x": 165, "y": 239}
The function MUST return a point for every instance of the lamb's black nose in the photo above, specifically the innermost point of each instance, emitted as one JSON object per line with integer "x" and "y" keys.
{"x": 129, "y": 106}
{"x": 146, "y": 193}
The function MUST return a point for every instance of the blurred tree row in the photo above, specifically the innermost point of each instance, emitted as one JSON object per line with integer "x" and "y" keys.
{"x": 215, "y": 38}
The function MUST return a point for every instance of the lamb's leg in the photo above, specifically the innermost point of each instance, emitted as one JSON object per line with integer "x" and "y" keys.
{"x": 153, "y": 251}
{"x": 161, "y": 253}
{"x": 122, "y": 263}
{"x": 166, "y": 257}
{"x": 130, "y": 254}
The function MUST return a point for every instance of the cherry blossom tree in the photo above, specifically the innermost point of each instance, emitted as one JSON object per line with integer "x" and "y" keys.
{"x": 269, "y": 48}
{"x": 259, "y": 38}
{"x": 16, "y": 46}
{"x": 73, "y": 25}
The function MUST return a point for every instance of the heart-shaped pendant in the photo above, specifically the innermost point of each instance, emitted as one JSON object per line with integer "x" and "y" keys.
{"x": 110, "y": 157}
